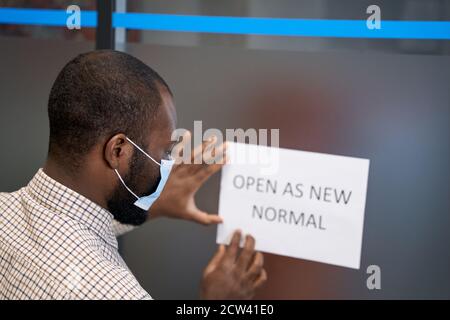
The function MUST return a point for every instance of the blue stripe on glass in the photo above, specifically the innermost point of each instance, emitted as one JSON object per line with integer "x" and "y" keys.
{"x": 239, "y": 25}
{"x": 283, "y": 27}
{"x": 44, "y": 17}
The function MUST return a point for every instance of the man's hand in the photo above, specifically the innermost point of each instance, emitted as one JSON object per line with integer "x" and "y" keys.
{"x": 177, "y": 199}
{"x": 230, "y": 275}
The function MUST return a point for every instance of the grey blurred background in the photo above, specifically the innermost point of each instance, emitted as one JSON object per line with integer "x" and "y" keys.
{"x": 388, "y": 101}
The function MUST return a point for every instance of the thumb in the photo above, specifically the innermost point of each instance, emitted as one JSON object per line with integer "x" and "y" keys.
{"x": 205, "y": 218}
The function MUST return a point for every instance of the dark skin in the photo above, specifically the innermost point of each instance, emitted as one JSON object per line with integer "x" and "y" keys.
{"x": 232, "y": 273}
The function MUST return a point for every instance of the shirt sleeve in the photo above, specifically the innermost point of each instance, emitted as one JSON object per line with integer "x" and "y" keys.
{"x": 120, "y": 228}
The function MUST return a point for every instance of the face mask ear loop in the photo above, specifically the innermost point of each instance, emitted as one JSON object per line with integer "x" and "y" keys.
{"x": 141, "y": 150}
{"x": 121, "y": 180}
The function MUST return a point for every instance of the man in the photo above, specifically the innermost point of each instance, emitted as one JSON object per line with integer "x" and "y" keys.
{"x": 111, "y": 119}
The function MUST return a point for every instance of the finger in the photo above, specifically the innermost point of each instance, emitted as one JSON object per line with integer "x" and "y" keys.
{"x": 205, "y": 218}
{"x": 214, "y": 154}
{"x": 256, "y": 266}
{"x": 213, "y": 160}
{"x": 205, "y": 164}
{"x": 215, "y": 259}
{"x": 262, "y": 278}
{"x": 247, "y": 253}
{"x": 197, "y": 153}
{"x": 232, "y": 250}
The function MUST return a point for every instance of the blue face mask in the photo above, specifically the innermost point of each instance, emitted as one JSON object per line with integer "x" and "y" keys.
{"x": 165, "y": 167}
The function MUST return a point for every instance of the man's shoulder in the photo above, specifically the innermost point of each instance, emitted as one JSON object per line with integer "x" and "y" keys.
{"x": 8, "y": 200}
{"x": 10, "y": 205}
{"x": 31, "y": 226}
{"x": 62, "y": 257}
{"x": 84, "y": 275}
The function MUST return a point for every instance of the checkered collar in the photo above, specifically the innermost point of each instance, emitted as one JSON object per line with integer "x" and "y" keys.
{"x": 62, "y": 200}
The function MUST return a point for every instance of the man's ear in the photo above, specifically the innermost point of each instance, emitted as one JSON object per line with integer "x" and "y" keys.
{"x": 117, "y": 150}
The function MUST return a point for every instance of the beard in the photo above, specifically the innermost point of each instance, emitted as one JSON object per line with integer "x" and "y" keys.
{"x": 121, "y": 203}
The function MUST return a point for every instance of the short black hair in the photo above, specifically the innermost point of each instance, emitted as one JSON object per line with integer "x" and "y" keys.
{"x": 97, "y": 95}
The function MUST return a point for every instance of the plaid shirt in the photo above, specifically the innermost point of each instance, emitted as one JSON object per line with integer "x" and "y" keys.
{"x": 56, "y": 244}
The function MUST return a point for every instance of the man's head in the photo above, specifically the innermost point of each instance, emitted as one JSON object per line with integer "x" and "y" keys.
{"x": 98, "y": 99}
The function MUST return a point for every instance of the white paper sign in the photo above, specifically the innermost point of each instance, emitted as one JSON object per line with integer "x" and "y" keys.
{"x": 295, "y": 203}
